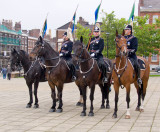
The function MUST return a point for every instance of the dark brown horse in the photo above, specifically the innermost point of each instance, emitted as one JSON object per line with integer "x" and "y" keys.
{"x": 33, "y": 73}
{"x": 90, "y": 75}
{"x": 124, "y": 74}
{"x": 57, "y": 70}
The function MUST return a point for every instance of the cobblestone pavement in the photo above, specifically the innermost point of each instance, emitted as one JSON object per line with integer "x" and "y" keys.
{"x": 14, "y": 117}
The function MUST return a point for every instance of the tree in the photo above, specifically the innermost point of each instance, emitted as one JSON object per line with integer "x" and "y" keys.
{"x": 148, "y": 36}
{"x": 109, "y": 25}
{"x": 84, "y": 32}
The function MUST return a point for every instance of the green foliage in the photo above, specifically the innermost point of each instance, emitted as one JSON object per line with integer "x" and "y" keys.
{"x": 109, "y": 25}
{"x": 84, "y": 32}
{"x": 148, "y": 36}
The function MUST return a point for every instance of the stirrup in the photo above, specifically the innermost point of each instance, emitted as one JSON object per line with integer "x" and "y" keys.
{"x": 139, "y": 81}
{"x": 74, "y": 78}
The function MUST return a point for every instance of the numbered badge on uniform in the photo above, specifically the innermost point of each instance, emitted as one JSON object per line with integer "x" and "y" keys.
{"x": 97, "y": 42}
{"x": 128, "y": 43}
{"x": 65, "y": 45}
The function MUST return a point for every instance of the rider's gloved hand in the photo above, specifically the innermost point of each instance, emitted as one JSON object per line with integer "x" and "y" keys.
{"x": 97, "y": 51}
{"x": 61, "y": 54}
{"x": 93, "y": 55}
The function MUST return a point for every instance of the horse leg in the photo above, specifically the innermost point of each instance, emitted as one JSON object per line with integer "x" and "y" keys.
{"x": 139, "y": 96}
{"x": 143, "y": 86}
{"x": 91, "y": 99}
{"x": 36, "y": 83}
{"x": 80, "y": 102}
{"x": 60, "y": 89}
{"x": 116, "y": 88}
{"x": 83, "y": 113}
{"x": 30, "y": 94}
{"x": 103, "y": 98}
{"x": 108, "y": 85}
{"x": 128, "y": 101}
{"x": 53, "y": 96}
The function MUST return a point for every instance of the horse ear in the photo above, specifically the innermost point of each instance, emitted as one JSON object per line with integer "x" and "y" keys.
{"x": 81, "y": 39}
{"x": 116, "y": 33}
{"x": 40, "y": 39}
{"x": 123, "y": 33}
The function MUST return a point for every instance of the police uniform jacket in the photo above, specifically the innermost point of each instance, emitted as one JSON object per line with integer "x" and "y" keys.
{"x": 132, "y": 44}
{"x": 96, "y": 46}
{"x": 66, "y": 48}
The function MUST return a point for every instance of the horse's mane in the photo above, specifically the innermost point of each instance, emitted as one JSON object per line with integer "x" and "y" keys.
{"x": 24, "y": 53}
{"x": 51, "y": 47}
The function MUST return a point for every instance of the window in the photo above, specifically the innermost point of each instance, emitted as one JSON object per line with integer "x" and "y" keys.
{"x": 146, "y": 57}
{"x": 154, "y": 58}
{"x": 154, "y": 18}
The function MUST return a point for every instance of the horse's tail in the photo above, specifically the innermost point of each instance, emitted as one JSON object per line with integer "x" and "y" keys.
{"x": 106, "y": 90}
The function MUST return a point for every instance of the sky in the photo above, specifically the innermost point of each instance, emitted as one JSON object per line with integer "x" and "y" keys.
{"x": 32, "y": 13}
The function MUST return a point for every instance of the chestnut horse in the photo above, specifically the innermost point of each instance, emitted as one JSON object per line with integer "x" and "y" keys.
{"x": 124, "y": 74}
{"x": 90, "y": 76}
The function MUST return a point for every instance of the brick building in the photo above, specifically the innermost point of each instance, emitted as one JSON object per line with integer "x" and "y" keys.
{"x": 13, "y": 37}
{"x": 151, "y": 8}
{"x": 62, "y": 29}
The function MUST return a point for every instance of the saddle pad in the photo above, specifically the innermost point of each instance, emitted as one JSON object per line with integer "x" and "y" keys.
{"x": 142, "y": 64}
{"x": 140, "y": 61}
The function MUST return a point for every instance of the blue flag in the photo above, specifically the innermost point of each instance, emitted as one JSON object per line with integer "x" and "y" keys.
{"x": 44, "y": 28}
{"x": 74, "y": 18}
{"x": 96, "y": 12}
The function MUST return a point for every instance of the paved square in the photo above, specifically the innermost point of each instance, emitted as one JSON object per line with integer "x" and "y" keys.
{"x": 14, "y": 117}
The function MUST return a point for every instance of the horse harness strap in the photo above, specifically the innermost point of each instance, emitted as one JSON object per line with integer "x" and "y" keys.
{"x": 89, "y": 69}
{"x": 120, "y": 75}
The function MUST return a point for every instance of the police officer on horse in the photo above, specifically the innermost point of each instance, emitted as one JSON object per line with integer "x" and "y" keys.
{"x": 132, "y": 46}
{"x": 66, "y": 51}
{"x": 96, "y": 47}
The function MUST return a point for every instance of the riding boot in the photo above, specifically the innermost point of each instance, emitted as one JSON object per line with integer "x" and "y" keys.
{"x": 138, "y": 74}
{"x": 73, "y": 71}
{"x": 105, "y": 79}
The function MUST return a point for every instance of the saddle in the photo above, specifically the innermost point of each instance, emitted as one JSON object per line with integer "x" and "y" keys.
{"x": 140, "y": 62}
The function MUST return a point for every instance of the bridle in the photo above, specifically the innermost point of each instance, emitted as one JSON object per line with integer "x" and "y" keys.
{"x": 119, "y": 48}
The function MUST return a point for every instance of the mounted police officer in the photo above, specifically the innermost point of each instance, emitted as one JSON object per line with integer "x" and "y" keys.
{"x": 96, "y": 47}
{"x": 132, "y": 45}
{"x": 66, "y": 51}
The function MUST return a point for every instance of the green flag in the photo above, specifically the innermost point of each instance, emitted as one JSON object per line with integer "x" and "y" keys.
{"x": 132, "y": 13}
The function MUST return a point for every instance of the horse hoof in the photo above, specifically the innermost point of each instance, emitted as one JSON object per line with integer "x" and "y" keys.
{"x": 83, "y": 114}
{"x": 91, "y": 114}
{"x": 102, "y": 106}
{"x": 107, "y": 106}
{"x": 137, "y": 109}
{"x": 127, "y": 117}
{"x": 141, "y": 110}
{"x": 59, "y": 110}
{"x": 28, "y": 106}
{"x": 78, "y": 104}
{"x": 114, "y": 116}
{"x": 36, "y": 106}
{"x": 52, "y": 110}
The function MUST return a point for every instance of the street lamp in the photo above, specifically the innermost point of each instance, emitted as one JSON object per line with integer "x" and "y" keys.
{"x": 107, "y": 42}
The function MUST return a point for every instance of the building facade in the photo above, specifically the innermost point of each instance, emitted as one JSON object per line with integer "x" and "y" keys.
{"x": 151, "y": 8}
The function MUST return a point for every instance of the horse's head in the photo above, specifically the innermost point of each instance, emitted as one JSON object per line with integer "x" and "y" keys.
{"x": 38, "y": 49}
{"x": 121, "y": 44}
{"x": 15, "y": 60}
{"x": 78, "y": 48}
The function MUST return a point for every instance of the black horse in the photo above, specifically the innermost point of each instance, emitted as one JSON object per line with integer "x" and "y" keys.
{"x": 91, "y": 75}
{"x": 33, "y": 72}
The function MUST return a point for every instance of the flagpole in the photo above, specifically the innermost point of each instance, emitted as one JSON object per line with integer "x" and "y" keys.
{"x": 72, "y": 17}
{"x": 92, "y": 32}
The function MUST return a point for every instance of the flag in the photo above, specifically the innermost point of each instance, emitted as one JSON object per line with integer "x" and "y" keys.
{"x": 132, "y": 13}
{"x": 74, "y": 18}
{"x": 96, "y": 12}
{"x": 44, "y": 29}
